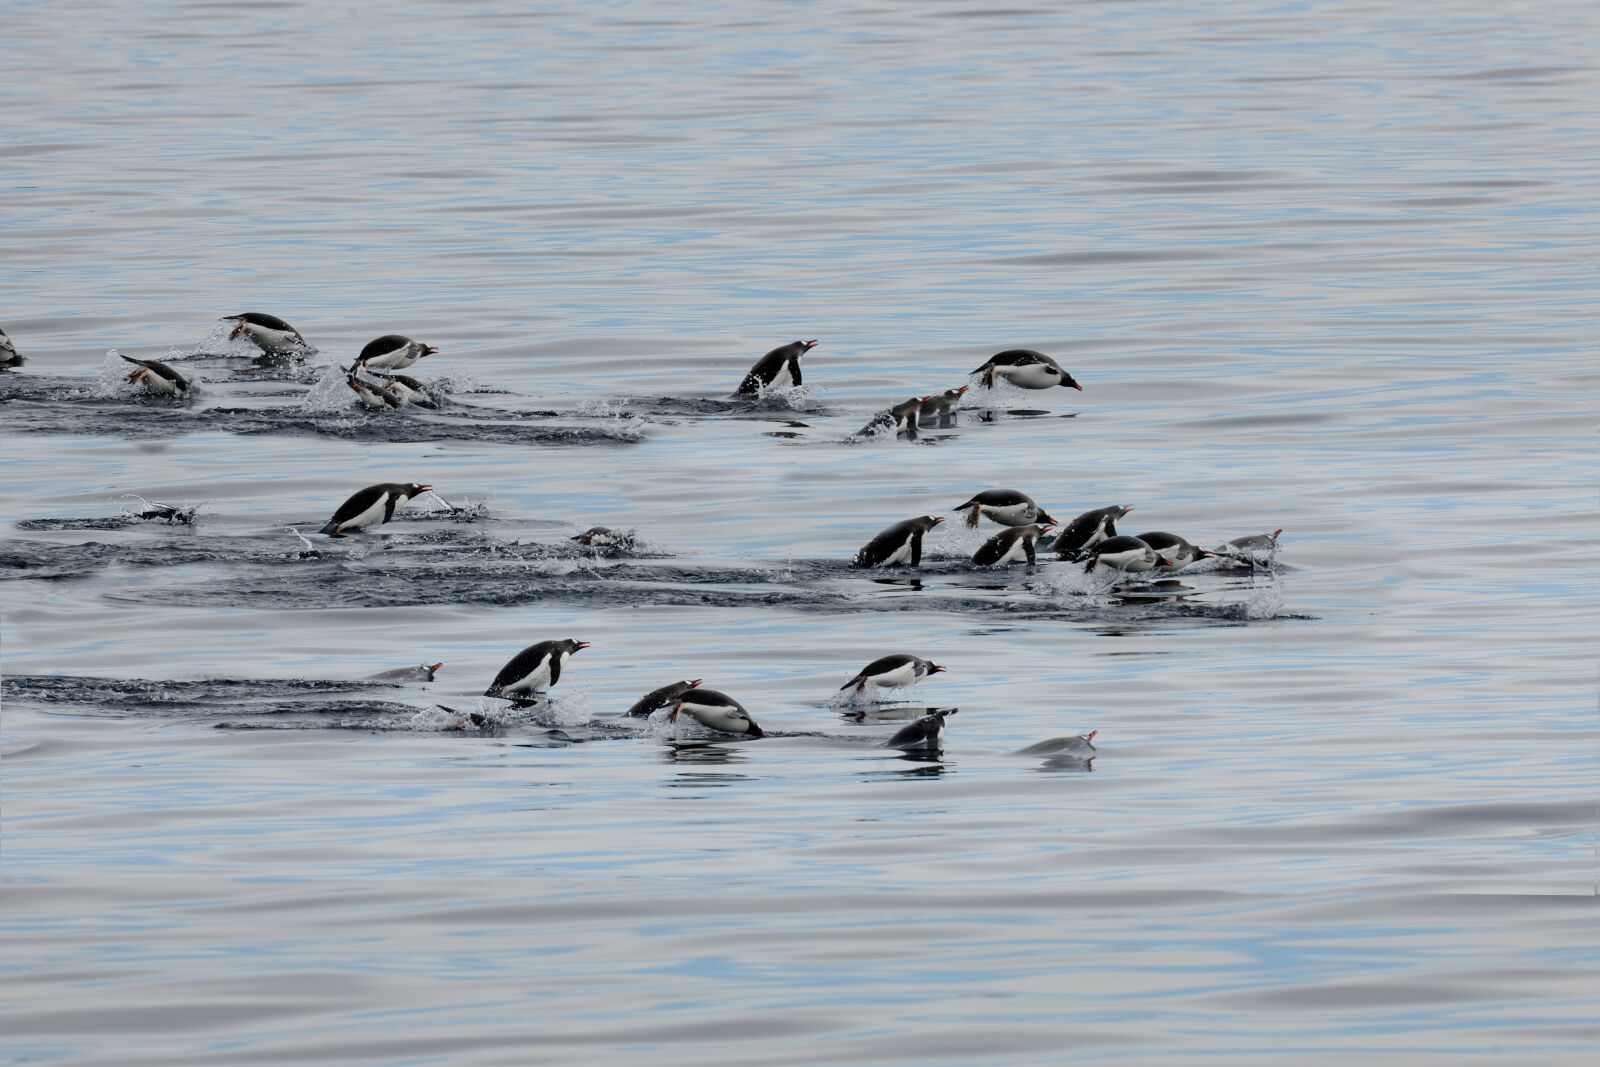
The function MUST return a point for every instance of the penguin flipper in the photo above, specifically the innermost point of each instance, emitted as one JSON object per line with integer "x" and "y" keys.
{"x": 794, "y": 370}
{"x": 1027, "y": 548}
{"x": 916, "y": 550}
{"x": 331, "y": 528}
{"x": 388, "y": 507}
{"x": 555, "y": 667}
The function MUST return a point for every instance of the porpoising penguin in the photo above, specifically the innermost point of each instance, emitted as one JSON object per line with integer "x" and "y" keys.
{"x": 10, "y": 358}
{"x": 715, "y": 711}
{"x": 267, "y": 332}
{"x": 922, "y": 735}
{"x": 767, "y": 370}
{"x": 1026, "y": 369}
{"x": 1123, "y": 553}
{"x": 1173, "y": 552}
{"x": 1010, "y": 545}
{"x": 392, "y": 352}
{"x": 894, "y": 671}
{"x": 1088, "y": 530}
{"x": 903, "y": 416}
{"x": 941, "y": 406}
{"x": 423, "y": 672}
{"x": 1008, "y": 507}
{"x": 899, "y": 545}
{"x": 664, "y": 697}
{"x": 372, "y": 506}
{"x": 536, "y": 667}
{"x": 157, "y": 377}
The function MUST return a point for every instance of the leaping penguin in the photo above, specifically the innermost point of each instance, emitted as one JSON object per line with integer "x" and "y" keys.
{"x": 536, "y": 667}
{"x": 1026, "y": 369}
{"x": 899, "y": 545}
{"x": 894, "y": 671}
{"x": 768, "y": 368}
{"x": 373, "y": 505}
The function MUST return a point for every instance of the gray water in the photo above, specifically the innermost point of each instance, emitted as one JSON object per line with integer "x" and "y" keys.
{"x": 1323, "y": 267}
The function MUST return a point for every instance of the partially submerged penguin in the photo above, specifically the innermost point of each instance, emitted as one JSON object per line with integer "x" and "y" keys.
{"x": 372, "y": 506}
{"x": 10, "y": 358}
{"x": 894, "y": 671}
{"x": 406, "y": 391}
{"x": 1026, "y": 369}
{"x": 157, "y": 377}
{"x": 1057, "y": 745}
{"x": 1252, "y": 545}
{"x": 1008, "y": 507}
{"x": 368, "y": 395}
{"x": 903, "y": 416}
{"x": 423, "y": 672}
{"x": 941, "y": 406}
{"x": 604, "y": 537}
{"x": 899, "y": 545}
{"x": 664, "y": 697}
{"x": 1122, "y": 553}
{"x": 392, "y": 352}
{"x": 1173, "y": 553}
{"x": 536, "y": 667}
{"x": 769, "y": 368}
{"x": 267, "y": 332}
{"x": 715, "y": 711}
{"x": 922, "y": 735}
{"x": 1012, "y": 544}
{"x": 1088, "y": 530}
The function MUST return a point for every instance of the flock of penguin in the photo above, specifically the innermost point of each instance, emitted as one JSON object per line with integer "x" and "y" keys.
{"x": 1092, "y": 539}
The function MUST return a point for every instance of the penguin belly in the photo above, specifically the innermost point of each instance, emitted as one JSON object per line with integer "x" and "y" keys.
{"x": 537, "y": 679}
{"x": 1012, "y": 514}
{"x": 1031, "y": 376}
{"x": 155, "y": 383}
{"x": 900, "y": 677}
{"x": 373, "y": 514}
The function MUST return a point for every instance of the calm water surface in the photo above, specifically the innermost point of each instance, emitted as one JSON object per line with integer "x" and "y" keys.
{"x": 1324, "y": 267}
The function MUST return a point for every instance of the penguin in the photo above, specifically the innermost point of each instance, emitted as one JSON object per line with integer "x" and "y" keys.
{"x": 369, "y": 396}
{"x": 1254, "y": 543}
{"x": 1124, "y": 553}
{"x": 772, "y": 365}
{"x": 941, "y": 406}
{"x": 466, "y": 720}
{"x": 536, "y": 667}
{"x": 1008, "y": 507}
{"x": 392, "y": 352}
{"x": 10, "y": 358}
{"x": 157, "y": 377}
{"x": 922, "y": 735}
{"x": 893, "y": 671}
{"x": 902, "y": 416}
{"x": 267, "y": 332}
{"x": 664, "y": 697}
{"x": 372, "y": 506}
{"x": 1088, "y": 530}
{"x": 1012, "y": 544}
{"x": 406, "y": 391}
{"x": 1025, "y": 369}
{"x": 1055, "y": 745}
{"x": 899, "y": 545}
{"x": 1173, "y": 552}
{"x": 715, "y": 711}
{"x": 423, "y": 672}
{"x": 604, "y": 537}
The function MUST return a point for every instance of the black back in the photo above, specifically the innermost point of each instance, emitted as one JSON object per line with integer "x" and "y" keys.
{"x": 990, "y": 551}
{"x": 769, "y": 366}
{"x": 656, "y": 699}
{"x": 923, "y": 732}
{"x": 261, "y": 318}
{"x": 879, "y": 666}
{"x": 160, "y": 369}
{"x": 385, "y": 344}
{"x": 1071, "y": 542}
{"x": 998, "y": 498}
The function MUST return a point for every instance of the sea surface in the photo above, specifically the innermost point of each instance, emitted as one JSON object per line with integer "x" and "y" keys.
{"x": 1320, "y": 267}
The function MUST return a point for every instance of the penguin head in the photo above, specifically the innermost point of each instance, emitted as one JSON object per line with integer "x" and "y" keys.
{"x": 1120, "y": 511}
{"x": 952, "y": 395}
{"x": 1044, "y": 520}
{"x": 806, "y": 346}
{"x": 412, "y": 490}
{"x": 426, "y": 350}
{"x": 431, "y": 669}
{"x": 571, "y": 645}
{"x": 928, "y": 522}
{"x": 1070, "y": 382}
{"x": 934, "y": 668}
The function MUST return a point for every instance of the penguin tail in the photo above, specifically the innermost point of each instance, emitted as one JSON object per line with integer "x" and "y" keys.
{"x": 331, "y": 528}
{"x": 130, "y": 359}
{"x": 850, "y": 683}
{"x": 495, "y": 691}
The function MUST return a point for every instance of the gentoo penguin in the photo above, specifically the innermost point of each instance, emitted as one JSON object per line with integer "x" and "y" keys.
{"x": 892, "y": 672}
{"x": 1254, "y": 544}
{"x": 664, "y": 697}
{"x": 941, "y": 405}
{"x": 1026, "y": 369}
{"x": 922, "y": 735}
{"x": 10, "y": 358}
{"x": 1008, "y": 507}
{"x": 268, "y": 332}
{"x": 535, "y": 667}
{"x": 1173, "y": 553}
{"x": 1054, "y": 745}
{"x": 1088, "y": 530}
{"x": 899, "y": 545}
{"x": 772, "y": 365}
{"x": 1123, "y": 553}
{"x": 406, "y": 390}
{"x": 902, "y": 416}
{"x": 372, "y": 506}
{"x": 369, "y": 396}
{"x": 604, "y": 537}
{"x": 157, "y": 377}
{"x": 423, "y": 672}
{"x": 392, "y": 352}
{"x": 715, "y": 711}
{"x": 1012, "y": 544}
